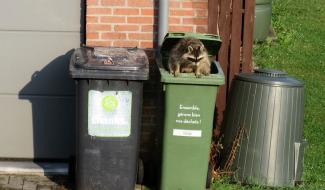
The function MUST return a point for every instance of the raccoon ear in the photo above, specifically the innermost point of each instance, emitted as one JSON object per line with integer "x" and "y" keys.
{"x": 190, "y": 48}
{"x": 201, "y": 48}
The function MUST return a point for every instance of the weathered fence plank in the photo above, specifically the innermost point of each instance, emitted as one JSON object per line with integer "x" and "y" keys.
{"x": 236, "y": 40}
{"x": 224, "y": 28}
{"x": 248, "y": 36}
{"x": 233, "y": 20}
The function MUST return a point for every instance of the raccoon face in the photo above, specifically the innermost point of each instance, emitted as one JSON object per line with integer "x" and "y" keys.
{"x": 194, "y": 54}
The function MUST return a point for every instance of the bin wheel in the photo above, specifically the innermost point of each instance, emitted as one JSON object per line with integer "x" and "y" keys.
{"x": 209, "y": 177}
{"x": 140, "y": 172}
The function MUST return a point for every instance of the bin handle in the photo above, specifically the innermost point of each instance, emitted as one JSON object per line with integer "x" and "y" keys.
{"x": 78, "y": 57}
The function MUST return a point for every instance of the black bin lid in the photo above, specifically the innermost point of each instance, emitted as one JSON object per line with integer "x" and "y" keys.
{"x": 109, "y": 63}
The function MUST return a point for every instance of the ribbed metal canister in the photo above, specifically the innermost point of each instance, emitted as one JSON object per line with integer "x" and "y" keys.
{"x": 263, "y": 2}
{"x": 262, "y": 22}
{"x": 269, "y": 108}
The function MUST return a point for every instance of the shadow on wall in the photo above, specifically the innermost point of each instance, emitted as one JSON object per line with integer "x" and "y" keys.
{"x": 151, "y": 132}
{"x": 51, "y": 93}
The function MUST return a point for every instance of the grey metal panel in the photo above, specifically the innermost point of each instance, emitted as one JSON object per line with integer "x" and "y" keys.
{"x": 272, "y": 117}
{"x": 36, "y": 62}
{"x": 40, "y": 15}
{"x": 36, "y": 126}
{"x": 36, "y": 92}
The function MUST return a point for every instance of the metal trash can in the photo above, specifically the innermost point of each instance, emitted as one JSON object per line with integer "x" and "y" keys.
{"x": 189, "y": 105}
{"x": 109, "y": 106}
{"x": 262, "y": 22}
{"x": 269, "y": 106}
{"x": 262, "y": 2}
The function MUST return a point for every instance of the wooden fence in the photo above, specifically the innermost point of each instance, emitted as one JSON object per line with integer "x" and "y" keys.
{"x": 233, "y": 20}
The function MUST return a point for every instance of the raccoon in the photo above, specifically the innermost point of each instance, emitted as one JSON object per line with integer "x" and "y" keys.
{"x": 189, "y": 55}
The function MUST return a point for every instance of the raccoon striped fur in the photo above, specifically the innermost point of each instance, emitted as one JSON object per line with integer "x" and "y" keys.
{"x": 189, "y": 55}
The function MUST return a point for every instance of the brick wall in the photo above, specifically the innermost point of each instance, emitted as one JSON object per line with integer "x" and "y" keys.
{"x": 130, "y": 23}
{"x": 188, "y": 16}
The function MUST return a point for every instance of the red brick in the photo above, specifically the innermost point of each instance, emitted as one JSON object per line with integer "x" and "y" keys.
{"x": 99, "y": 11}
{"x": 126, "y": 11}
{"x": 140, "y": 20}
{"x": 148, "y": 44}
{"x": 180, "y": 28}
{"x": 112, "y": 19}
{"x": 92, "y": 19}
{"x": 174, "y": 20}
{"x": 128, "y": 43}
{"x": 181, "y": 12}
{"x": 113, "y": 2}
{"x": 141, "y": 36}
{"x": 149, "y": 12}
{"x": 195, "y": 21}
{"x": 113, "y": 35}
{"x": 141, "y": 3}
{"x": 126, "y": 28}
{"x": 99, "y": 43}
{"x": 202, "y": 29}
{"x": 196, "y": 5}
{"x": 92, "y": 35}
{"x": 149, "y": 28}
{"x": 92, "y": 2}
{"x": 98, "y": 27}
{"x": 201, "y": 13}
{"x": 174, "y": 4}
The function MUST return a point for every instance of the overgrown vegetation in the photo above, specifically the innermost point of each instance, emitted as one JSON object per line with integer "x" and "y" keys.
{"x": 300, "y": 51}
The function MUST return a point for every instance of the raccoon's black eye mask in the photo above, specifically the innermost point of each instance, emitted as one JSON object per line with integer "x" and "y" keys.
{"x": 195, "y": 60}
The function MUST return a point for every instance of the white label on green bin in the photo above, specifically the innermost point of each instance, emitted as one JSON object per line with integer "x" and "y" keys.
{"x": 109, "y": 113}
{"x": 187, "y": 133}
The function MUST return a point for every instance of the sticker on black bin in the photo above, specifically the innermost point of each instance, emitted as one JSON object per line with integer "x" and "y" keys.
{"x": 109, "y": 113}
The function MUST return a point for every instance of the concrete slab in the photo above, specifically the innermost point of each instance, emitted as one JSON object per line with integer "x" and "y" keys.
{"x": 29, "y": 185}
{"x": 4, "y": 179}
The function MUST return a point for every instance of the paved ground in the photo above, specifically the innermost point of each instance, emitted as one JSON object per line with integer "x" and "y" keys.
{"x": 33, "y": 182}
{"x": 23, "y": 182}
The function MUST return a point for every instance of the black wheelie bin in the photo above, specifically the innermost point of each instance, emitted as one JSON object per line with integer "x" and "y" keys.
{"x": 109, "y": 85}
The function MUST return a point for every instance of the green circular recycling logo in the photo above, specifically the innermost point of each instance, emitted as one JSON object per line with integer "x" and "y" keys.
{"x": 110, "y": 103}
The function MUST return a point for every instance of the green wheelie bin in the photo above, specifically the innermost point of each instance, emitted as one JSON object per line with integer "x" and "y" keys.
{"x": 189, "y": 105}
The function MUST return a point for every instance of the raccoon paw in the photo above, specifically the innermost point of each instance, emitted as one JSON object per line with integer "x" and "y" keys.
{"x": 205, "y": 73}
{"x": 198, "y": 75}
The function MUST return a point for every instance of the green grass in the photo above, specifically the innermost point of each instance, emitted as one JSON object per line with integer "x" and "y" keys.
{"x": 300, "y": 51}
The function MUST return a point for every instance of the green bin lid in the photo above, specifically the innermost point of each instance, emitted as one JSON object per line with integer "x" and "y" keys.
{"x": 216, "y": 78}
{"x": 211, "y": 42}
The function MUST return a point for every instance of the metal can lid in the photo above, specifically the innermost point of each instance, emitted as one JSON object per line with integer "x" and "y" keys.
{"x": 271, "y": 77}
{"x": 270, "y": 73}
